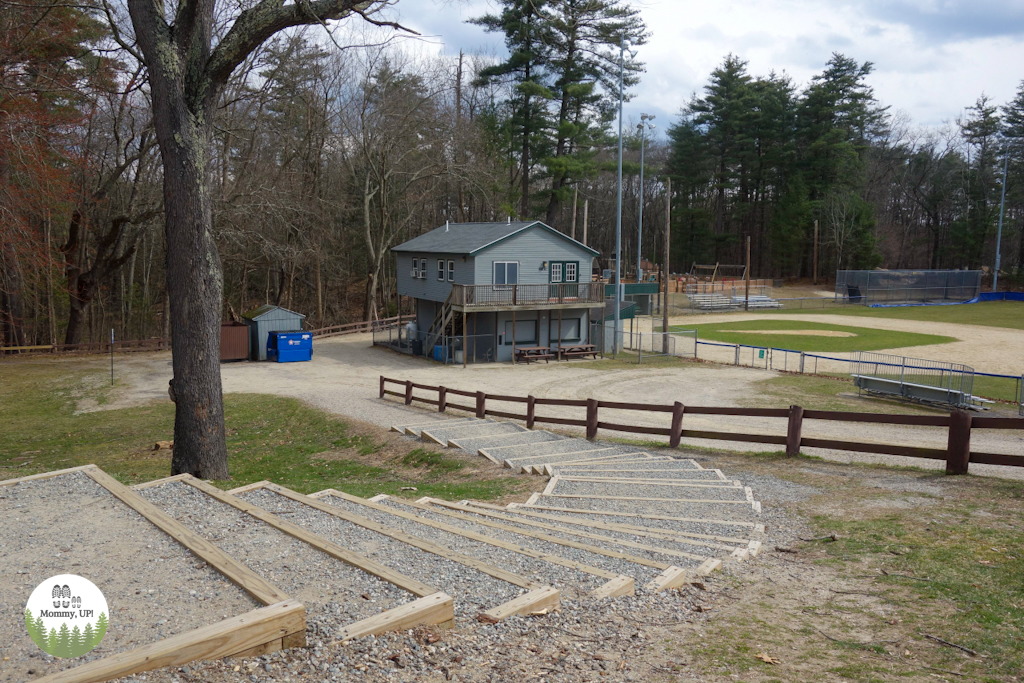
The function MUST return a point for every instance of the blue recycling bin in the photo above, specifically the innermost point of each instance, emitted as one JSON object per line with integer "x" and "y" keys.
{"x": 289, "y": 347}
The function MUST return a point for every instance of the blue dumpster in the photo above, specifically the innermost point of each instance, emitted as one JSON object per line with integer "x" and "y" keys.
{"x": 290, "y": 347}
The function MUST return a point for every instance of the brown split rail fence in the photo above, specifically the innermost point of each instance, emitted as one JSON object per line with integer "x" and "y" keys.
{"x": 959, "y": 423}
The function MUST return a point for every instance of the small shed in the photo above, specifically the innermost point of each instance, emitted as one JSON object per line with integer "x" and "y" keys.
{"x": 266, "y": 319}
{"x": 234, "y": 341}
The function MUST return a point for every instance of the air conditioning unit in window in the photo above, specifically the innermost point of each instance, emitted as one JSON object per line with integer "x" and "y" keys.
{"x": 423, "y": 275}
{"x": 414, "y": 273}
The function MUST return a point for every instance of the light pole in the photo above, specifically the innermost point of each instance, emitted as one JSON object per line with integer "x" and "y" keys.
{"x": 618, "y": 210}
{"x": 643, "y": 126}
{"x": 999, "y": 234}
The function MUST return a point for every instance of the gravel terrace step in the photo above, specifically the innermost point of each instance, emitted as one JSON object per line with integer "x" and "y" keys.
{"x": 723, "y": 491}
{"x": 545, "y": 467}
{"x": 595, "y": 452}
{"x": 473, "y": 444}
{"x": 563, "y": 445}
{"x": 642, "y": 574}
{"x": 415, "y": 428}
{"x": 712, "y": 525}
{"x": 441, "y": 434}
{"x": 154, "y": 586}
{"x": 682, "y": 476}
{"x": 683, "y": 533}
{"x": 335, "y": 593}
{"x": 573, "y": 583}
{"x": 659, "y": 464}
{"x": 472, "y": 590}
{"x": 585, "y": 532}
{"x": 733, "y": 512}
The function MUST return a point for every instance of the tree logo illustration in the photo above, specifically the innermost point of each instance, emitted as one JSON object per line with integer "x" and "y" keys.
{"x": 66, "y": 616}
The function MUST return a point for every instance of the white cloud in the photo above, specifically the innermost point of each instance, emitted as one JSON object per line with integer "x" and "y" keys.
{"x": 932, "y": 57}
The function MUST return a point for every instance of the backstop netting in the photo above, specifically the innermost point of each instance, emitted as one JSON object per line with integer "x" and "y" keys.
{"x": 907, "y": 286}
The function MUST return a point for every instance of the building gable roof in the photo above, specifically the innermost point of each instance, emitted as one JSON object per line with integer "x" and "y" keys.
{"x": 260, "y": 311}
{"x": 472, "y": 238}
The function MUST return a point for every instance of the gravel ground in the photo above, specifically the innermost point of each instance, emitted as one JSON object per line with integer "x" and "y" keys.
{"x": 425, "y": 423}
{"x": 548, "y": 448}
{"x": 573, "y": 584}
{"x": 609, "y": 543}
{"x": 335, "y": 594}
{"x": 736, "y": 512}
{"x": 727, "y": 492}
{"x": 558, "y": 458}
{"x": 608, "y": 640}
{"x": 682, "y": 476}
{"x": 69, "y": 524}
{"x": 641, "y": 573}
{"x": 682, "y": 465}
{"x": 474, "y": 591}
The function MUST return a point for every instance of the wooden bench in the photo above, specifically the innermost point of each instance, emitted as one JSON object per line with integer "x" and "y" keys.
{"x": 577, "y": 350}
{"x": 532, "y": 353}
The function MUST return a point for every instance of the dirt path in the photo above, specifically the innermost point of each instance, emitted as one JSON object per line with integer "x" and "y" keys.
{"x": 343, "y": 379}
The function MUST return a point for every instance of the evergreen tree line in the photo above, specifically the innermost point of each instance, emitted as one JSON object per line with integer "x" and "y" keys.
{"x": 324, "y": 159}
{"x": 66, "y": 642}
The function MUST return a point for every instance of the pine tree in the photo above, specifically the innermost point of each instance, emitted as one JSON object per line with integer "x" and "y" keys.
{"x": 52, "y": 641}
{"x": 63, "y": 648}
{"x": 33, "y": 630}
{"x": 101, "y": 628}
{"x": 76, "y": 646}
{"x": 88, "y": 637}
{"x": 1013, "y": 142}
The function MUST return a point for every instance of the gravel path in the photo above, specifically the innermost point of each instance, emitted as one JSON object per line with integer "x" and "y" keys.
{"x": 69, "y": 524}
{"x": 683, "y": 466}
{"x": 698, "y": 491}
{"x": 681, "y": 476}
{"x": 472, "y": 590}
{"x": 737, "y": 512}
{"x": 573, "y": 584}
{"x": 641, "y": 573}
{"x": 443, "y": 431}
{"x": 572, "y": 533}
{"x": 474, "y": 443}
{"x": 738, "y": 530}
{"x": 335, "y": 593}
{"x": 343, "y": 378}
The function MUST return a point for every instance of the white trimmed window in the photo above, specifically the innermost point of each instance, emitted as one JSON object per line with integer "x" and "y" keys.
{"x": 506, "y": 272}
{"x": 451, "y": 271}
{"x": 570, "y": 271}
{"x": 440, "y": 270}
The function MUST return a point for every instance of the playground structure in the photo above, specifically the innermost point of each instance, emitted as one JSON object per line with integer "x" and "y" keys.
{"x": 873, "y": 287}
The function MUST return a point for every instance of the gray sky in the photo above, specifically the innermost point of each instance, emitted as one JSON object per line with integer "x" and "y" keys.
{"x": 932, "y": 57}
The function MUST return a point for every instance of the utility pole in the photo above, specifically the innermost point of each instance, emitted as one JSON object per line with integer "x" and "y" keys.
{"x": 746, "y": 273}
{"x": 665, "y": 260}
{"x": 575, "y": 198}
{"x": 586, "y": 204}
{"x": 999, "y": 235}
{"x": 618, "y": 211}
{"x": 815, "y": 251}
{"x": 642, "y": 127}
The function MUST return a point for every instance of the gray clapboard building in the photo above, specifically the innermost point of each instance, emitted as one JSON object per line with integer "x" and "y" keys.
{"x": 482, "y": 289}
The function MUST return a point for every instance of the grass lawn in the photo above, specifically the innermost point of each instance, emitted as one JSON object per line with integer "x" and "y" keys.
{"x": 866, "y": 339}
{"x": 267, "y": 437}
{"x": 987, "y": 313}
{"x": 917, "y": 553}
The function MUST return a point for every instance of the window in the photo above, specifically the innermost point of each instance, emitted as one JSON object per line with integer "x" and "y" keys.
{"x": 451, "y": 271}
{"x": 526, "y": 332}
{"x": 440, "y": 270}
{"x": 506, "y": 273}
{"x": 415, "y": 268}
{"x": 564, "y": 271}
{"x": 570, "y": 329}
{"x": 423, "y": 269}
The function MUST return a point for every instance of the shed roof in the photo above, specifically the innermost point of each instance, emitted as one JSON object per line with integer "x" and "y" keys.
{"x": 260, "y": 311}
{"x": 472, "y": 238}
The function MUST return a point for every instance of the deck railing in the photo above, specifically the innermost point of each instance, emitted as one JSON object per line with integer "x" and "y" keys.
{"x": 585, "y": 294}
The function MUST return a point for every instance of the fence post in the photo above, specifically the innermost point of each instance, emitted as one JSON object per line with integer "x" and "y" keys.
{"x": 677, "y": 425}
{"x": 801, "y": 362}
{"x": 737, "y": 362}
{"x": 531, "y": 408}
{"x": 481, "y": 399}
{"x": 442, "y": 399}
{"x": 382, "y": 386}
{"x": 408, "y": 392}
{"x": 796, "y": 423}
{"x": 591, "y": 418}
{"x": 958, "y": 453}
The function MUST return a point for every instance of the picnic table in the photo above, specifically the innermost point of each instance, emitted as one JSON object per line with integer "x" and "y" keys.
{"x": 567, "y": 351}
{"x": 532, "y": 353}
